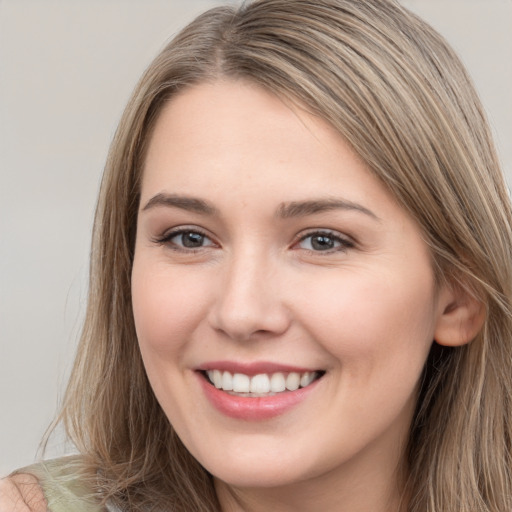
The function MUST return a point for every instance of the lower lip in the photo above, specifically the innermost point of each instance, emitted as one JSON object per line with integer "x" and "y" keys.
{"x": 254, "y": 408}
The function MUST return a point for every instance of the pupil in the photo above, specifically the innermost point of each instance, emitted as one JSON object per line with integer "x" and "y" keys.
{"x": 192, "y": 240}
{"x": 322, "y": 242}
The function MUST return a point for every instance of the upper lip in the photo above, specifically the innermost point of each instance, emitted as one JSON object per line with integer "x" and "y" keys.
{"x": 252, "y": 368}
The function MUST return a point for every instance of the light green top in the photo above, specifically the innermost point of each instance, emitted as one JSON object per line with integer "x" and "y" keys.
{"x": 62, "y": 487}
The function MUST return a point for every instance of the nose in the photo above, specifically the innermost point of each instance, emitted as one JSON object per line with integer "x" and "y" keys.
{"x": 249, "y": 303}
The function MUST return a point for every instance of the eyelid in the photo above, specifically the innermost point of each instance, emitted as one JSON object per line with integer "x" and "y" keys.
{"x": 166, "y": 236}
{"x": 346, "y": 241}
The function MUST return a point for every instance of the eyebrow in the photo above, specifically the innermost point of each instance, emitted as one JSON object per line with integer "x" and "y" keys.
{"x": 310, "y": 207}
{"x": 191, "y": 204}
{"x": 284, "y": 211}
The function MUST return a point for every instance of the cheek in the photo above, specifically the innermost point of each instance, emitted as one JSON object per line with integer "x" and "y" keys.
{"x": 167, "y": 306}
{"x": 371, "y": 323}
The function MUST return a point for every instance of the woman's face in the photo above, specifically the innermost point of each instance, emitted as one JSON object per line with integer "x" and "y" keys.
{"x": 268, "y": 258}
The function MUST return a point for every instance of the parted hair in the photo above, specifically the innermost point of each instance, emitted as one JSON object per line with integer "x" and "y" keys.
{"x": 394, "y": 89}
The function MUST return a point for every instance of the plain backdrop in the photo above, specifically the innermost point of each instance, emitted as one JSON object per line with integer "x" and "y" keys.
{"x": 67, "y": 68}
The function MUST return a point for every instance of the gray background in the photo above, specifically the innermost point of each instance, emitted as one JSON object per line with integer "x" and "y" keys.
{"x": 67, "y": 68}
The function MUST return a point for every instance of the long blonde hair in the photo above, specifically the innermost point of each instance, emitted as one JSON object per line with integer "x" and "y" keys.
{"x": 396, "y": 92}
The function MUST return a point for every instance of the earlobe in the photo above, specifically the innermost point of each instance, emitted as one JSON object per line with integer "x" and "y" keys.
{"x": 461, "y": 317}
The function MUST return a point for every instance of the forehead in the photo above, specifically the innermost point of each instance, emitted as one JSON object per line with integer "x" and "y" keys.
{"x": 238, "y": 115}
{"x": 230, "y": 134}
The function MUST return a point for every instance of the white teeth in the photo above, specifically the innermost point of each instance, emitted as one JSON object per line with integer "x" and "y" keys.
{"x": 277, "y": 383}
{"x": 262, "y": 383}
{"x": 227, "y": 381}
{"x": 306, "y": 379}
{"x": 241, "y": 383}
{"x": 217, "y": 379}
{"x": 292, "y": 381}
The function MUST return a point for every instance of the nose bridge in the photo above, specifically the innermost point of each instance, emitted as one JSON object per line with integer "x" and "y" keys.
{"x": 249, "y": 299}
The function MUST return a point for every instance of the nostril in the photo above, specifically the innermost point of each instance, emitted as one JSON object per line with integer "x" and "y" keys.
{"x": 246, "y": 327}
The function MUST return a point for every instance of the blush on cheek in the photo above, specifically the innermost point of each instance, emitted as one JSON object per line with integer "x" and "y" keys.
{"x": 164, "y": 315}
{"x": 371, "y": 320}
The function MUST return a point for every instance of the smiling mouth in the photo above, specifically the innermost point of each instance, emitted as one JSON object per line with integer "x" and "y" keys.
{"x": 260, "y": 385}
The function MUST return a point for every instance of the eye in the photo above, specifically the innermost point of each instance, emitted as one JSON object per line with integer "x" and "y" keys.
{"x": 324, "y": 241}
{"x": 186, "y": 239}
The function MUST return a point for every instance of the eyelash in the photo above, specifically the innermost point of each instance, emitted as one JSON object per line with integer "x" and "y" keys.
{"x": 344, "y": 243}
{"x": 166, "y": 239}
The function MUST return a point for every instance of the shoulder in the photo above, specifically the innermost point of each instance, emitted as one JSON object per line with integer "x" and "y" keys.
{"x": 55, "y": 485}
{"x": 21, "y": 493}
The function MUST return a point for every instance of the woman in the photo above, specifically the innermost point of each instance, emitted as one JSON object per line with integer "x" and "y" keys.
{"x": 300, "y": 281}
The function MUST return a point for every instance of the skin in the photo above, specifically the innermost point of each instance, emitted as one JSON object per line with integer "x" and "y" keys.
{"x": 365, "y": 312}
{"x": 257, "y": 288}
{"x": 21, "y": 493}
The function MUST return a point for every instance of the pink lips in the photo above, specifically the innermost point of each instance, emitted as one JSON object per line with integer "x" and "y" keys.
{"x": 252, "y": 408}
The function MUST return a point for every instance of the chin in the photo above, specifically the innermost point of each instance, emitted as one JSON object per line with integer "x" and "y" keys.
{"x": 260, "y": 467}
{"x": 252, "y": 476}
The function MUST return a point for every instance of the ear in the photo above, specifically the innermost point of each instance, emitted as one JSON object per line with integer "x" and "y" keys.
{"x": 461, "y": 316}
